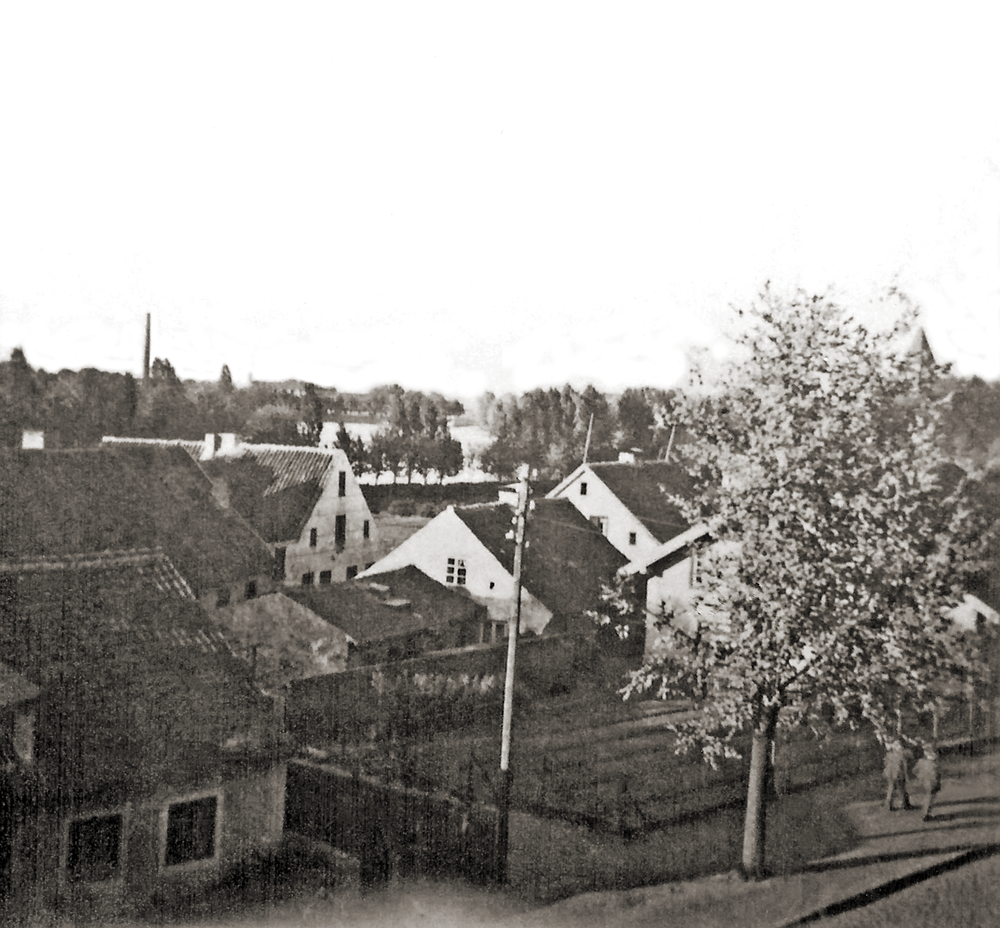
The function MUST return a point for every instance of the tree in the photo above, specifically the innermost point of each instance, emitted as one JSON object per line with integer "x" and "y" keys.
{"x": 842, "y": 539}
{"x": 225, "y": 381}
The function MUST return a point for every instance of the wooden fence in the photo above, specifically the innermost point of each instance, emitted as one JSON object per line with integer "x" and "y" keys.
{"x": 390, "y": 827}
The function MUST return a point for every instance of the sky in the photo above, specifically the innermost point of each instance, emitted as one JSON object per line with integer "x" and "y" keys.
{"x": 462, "y": 197}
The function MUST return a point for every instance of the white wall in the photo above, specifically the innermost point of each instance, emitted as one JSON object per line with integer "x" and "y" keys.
{"x": 488, "y": 582}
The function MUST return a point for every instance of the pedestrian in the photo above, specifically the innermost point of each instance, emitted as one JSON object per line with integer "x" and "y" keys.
{"x": 897, "y": 759}
{"x": 928, "y": 774}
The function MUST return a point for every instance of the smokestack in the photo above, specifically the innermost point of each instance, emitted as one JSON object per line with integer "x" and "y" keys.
{"x": 145, "y": 357}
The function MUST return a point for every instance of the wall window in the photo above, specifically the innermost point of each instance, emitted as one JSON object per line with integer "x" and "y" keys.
{"x": 250, "y": 592}
{"x": 631, "y": 538}
{"x": 222, "y": 597}
{"x": 326, "y": 576}
{"x": 455, "y": 572}
{"x": 308, "y": 578}
{"x": 367, "y": 529}
{"x": 190, "y": 831}
{"x": 352, "y": 571}
{"x": 313, "y": 537}
{"x": 342, "y": 483}
{"x": 341, "y": 531}
{"x": 583, "y": 488}
{"x": 94, "y": 849}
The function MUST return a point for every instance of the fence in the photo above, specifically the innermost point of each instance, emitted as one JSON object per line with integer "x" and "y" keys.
{"x": 341, "y": 705}
{"x": 390, "y": 827}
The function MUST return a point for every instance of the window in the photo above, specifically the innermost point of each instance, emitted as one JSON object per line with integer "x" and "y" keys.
{"x": 341, "y": 531}
{"x": 279, "y": 563}
{"x": 695, "y": 567}
{"x": 455, "y": 572}
{"x": 313, "y": 537}
{"x": 222, "y": 597}
{"x": 367, "y": 529}
{"x": 342, "y": 483}
{"x": 190, "y": 831}
{"x": 94, "y": 849}
{"x": 251, "y": 589}
{"x": 352, "y": 571}
{"x": 583, "y": 488}
{"x": 631, "y": 538}
{"x": 325, "y": 576}
{"x": 308, "y": 578}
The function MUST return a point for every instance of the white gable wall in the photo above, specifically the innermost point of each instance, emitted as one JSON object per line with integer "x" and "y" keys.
{"x": 600, "y": 501}
{"x": 487, "y": 581}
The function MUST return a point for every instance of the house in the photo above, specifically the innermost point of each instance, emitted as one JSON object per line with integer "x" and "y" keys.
{"x": 140, "y": 760}
{"x": 472, "y": 547}
{"x": 115, "y": 497}
{"x": 304, "y": 502}
{"x": 630, "y": 502}
{"x": 397, "y": 615}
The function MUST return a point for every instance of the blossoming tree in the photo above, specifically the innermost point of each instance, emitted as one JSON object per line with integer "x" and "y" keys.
{"x": 842, "y": 537}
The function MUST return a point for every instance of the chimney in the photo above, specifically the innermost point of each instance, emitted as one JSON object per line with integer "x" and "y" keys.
{"x": 32, "y": 439}
{"x": 626, "y": 457}
{"x": 228, "y": 443}
{"x": 145, "y": 357}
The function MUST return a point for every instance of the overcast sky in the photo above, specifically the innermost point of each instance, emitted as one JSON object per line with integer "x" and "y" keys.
{"x": 485, "y": 196}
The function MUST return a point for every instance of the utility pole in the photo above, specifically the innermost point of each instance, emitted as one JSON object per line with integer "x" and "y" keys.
{"x": 506, "y": 777}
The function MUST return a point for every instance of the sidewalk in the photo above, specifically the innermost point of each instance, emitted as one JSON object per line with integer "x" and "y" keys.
{"x": 896, "y": 850}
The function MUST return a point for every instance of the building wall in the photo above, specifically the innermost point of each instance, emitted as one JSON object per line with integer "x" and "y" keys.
{"x": 600, "y": 501}
{"x": 249, "y": 817}
{"x": 487, "y": 581}
{"x": 210, "y": 599}
{"x": 359, "y": 552}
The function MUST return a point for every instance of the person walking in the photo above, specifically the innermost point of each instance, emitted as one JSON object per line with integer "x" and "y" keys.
{"x": 928, "y": 774}
{"x": 897, "y": 759}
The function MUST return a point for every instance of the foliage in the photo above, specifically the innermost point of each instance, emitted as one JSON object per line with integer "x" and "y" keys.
{"x": 842, "y": 535}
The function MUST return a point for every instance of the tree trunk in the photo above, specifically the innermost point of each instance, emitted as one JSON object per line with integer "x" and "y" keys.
{"x": 755, "y": 826}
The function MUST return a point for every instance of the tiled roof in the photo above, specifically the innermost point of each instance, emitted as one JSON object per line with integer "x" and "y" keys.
{"x": 133, "y": 680}
{"x": 643, "y": 488}
{"x": 372, "y": 609}
{"x": 275, "y": 487}
{"x": 566, "y": 561}
{"x": 122, "y": 497}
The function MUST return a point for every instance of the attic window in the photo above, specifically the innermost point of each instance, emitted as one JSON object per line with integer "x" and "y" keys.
{"x": 313, "y": 537}
{"x": 191, "y": 831}
{"x": 455, "y": 572}
{"x": 93, "y": 852}
{"x": 342, "y": 483}
{"x": 583, "y": 488}
{"x": 631, "y": 538}
{"x": 367, "y": 529}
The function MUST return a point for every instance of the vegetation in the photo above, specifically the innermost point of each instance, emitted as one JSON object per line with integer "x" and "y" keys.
{"x": 842, "y": 539}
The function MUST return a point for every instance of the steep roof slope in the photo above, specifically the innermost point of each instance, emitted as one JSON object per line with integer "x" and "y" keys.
{"x": 644, "y": 488}
{"x": 137, "y": 686}
{"x": 567, "y": 559}
{"x": 65, "y": 502}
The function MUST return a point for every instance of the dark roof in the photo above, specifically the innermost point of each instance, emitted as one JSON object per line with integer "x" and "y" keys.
{"x": 644, "y": 488}
{"x": 388, "y": 605}
{"x": 566, "y": 561}
{"x": 275, "y": 487}
{"x": 137, "y": 686}
{"x": 121, "y": 497}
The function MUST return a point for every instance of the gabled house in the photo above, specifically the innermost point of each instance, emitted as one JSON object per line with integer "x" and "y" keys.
{"x": 142, "y": 762}
{"x": 472, "y": 547}
{"x": 304, "y": 502}
{"x": 397, "y": 615}
{"x": 67, "y": 502}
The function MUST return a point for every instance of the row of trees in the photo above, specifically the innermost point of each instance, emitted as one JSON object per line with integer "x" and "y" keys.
{"x": 844, "y": 535}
